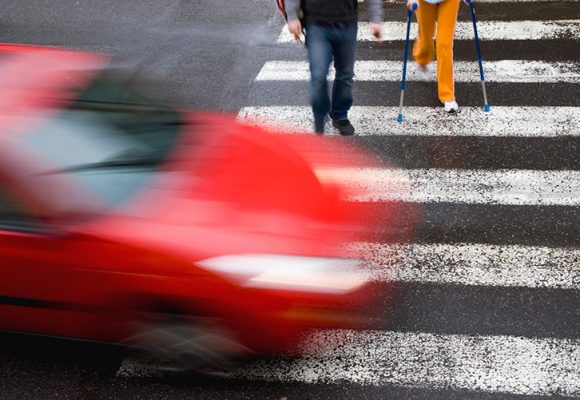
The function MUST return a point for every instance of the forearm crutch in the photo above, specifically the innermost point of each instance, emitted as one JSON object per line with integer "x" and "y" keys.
{"x": 474, "y": 18}
{"x": 409, "y": 15}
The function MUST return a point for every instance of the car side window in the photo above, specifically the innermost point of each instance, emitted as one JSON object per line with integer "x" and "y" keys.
{"x": 13, "y": 216}
{"x": 8, "y": 207}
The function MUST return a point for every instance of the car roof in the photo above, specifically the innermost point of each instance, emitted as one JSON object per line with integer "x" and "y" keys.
{"x": 35, "y": 80}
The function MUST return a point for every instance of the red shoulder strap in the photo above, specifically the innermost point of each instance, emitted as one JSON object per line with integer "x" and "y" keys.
{"x": 282, "y": 8}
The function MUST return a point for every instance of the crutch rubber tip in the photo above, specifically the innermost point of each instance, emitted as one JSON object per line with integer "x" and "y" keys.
{"x": 400, "y": 118}
{"x": 486, "y": 107}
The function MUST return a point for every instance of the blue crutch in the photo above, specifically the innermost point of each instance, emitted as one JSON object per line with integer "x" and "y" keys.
{"x": 473, "y": 17}
{"x": 409, "y": 15}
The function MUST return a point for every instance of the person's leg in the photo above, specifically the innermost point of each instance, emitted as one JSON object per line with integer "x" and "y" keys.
{"x": 424, "y": 48}
{"x": 446, "y": 20}
{"x": 344, "y": 50}
{"x": 318, "y": 43}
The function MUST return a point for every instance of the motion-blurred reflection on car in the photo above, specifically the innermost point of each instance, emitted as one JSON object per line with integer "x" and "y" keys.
{"x": 183, "y": 233}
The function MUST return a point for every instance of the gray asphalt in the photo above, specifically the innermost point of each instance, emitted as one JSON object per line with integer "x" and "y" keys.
{"x": 205, "y": 54}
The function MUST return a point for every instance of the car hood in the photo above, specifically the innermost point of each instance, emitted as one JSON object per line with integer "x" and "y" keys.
{"x": 234, "y": 188}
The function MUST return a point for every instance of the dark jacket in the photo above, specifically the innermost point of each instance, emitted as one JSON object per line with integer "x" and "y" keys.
{"x": 331, "y": 10}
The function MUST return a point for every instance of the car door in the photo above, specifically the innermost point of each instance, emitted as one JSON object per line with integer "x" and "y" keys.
{"x": 41, "y": 291}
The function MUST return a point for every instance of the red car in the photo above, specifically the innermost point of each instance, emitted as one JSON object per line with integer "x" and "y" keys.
{"x": 185, "y": 233}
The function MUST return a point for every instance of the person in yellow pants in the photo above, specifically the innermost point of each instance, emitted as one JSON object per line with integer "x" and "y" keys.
{"x": 440, "y": 14}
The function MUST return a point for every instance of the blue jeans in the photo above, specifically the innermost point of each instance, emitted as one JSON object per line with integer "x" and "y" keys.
{"x": 325, "y": 42}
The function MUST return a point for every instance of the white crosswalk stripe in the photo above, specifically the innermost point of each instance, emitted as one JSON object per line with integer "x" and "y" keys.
{"x": 473, "y": 264}
{"x": 503, "y": 364}
{"x": 429, "y": 121}
{"x": 512, "y": 187}
{"x": 492, "y": 364}
{"x": 479, "y": 363}
{"x": 487, "y": 30}
{"x": 523, "y": 71}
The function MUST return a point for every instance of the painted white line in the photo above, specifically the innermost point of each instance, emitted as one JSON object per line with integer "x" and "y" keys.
{"x": 494, "y": 364}
{"x": 523, "y": 71}
{"x": 500, "y": 364}
{"x": 430, "y": 121}
{"x": 487, "y": 30}
{"x": 134, "y": 367}
{"x": 472, "y": 264}
{"x": 509, "y": 187}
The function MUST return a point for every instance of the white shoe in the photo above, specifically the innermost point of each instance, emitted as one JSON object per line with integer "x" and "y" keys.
{"x": 450, "y": 106}
{"x": 422, "y": 73}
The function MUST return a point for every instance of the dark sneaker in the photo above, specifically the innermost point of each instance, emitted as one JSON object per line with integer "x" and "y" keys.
{"x": 344, "y": 127}
{"x": 319, "y": 129}
{"x": 319, "y": 125}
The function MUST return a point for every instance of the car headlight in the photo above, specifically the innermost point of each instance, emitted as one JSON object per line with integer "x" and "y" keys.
{"x": 298, "y": 273}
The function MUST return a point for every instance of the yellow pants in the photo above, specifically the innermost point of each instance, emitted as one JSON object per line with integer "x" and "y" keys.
{"x": 445, "y": 16}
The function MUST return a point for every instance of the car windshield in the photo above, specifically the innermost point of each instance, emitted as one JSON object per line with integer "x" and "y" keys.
{"x": 110, "y": 139}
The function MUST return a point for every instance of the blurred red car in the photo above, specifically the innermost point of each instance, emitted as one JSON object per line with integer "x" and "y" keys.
{"x": 186, "y": 233}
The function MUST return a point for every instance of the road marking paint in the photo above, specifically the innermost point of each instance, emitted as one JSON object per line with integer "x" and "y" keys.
{"x": 134, "y": 367}
{"x": 508, "y": 187}
{"x": 520, "y": 71}
{"x": 429, "y": 361}
{"x": 472, "y": 264}
{"x": 430, "y": 121}
{"x": 487, "y": 30}
{"x": 496, "y": 364}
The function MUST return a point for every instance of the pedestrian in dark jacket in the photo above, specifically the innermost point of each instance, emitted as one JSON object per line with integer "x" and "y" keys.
{"x": 331, "y": 34}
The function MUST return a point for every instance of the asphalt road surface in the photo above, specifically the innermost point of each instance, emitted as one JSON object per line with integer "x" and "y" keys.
{"x": 489, "y": 293}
